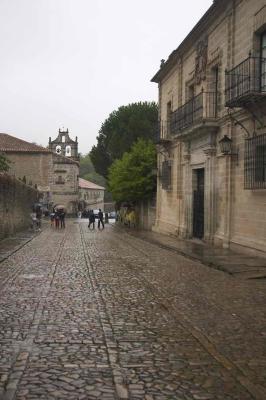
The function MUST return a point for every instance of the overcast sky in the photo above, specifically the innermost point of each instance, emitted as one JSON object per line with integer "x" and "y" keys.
{"x": 70, "y": 63}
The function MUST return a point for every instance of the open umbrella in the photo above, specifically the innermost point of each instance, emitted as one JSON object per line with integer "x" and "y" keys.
{"x": 59, "y": 207}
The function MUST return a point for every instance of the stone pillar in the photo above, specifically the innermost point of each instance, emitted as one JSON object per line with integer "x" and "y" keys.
{"x": 210, "y": 194}
{"x": 227, "y": 201}
{"x": 186, "y": 226}
{"x": 159, "y": 193}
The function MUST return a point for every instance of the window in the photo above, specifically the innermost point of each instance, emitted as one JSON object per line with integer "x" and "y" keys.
{"x": 68, "y": 151}
{"x": 190, "y": 92}
{"x": 169, "y": 113}
{"x": 255, "y": 162}
{"x": 63, "y": 139}
{"x": 60, "y": 180}
{"x": 167, "y": 175}
{"x": 263, "y": 62}
{"x": 58, "y": 149}
{"x": 214, "y": 89}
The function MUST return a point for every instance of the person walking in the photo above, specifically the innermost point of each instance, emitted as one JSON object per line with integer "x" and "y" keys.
{"x": 62, "y": 215}
{"x": 57, "y": 219}
{"x": 39, "y": 217}
{"x": 34, "y": 221}
{"x": 91, "y": 219}
{"x": 52, "y": 219}
{"x": 100, "y": 219}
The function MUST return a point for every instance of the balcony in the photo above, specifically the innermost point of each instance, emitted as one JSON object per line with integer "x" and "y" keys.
{"x": 163, "y": 135}
{"x": 246, "y": 82}
{"x": 199, "y": 112}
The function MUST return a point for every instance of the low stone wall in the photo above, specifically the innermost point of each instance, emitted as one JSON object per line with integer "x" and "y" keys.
{"x": 16, "y": 201}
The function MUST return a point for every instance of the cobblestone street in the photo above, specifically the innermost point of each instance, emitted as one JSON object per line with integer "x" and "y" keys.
{"x": 106, "y": 315}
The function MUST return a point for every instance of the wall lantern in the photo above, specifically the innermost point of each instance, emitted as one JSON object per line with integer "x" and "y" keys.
{"x": 226, "y": 145}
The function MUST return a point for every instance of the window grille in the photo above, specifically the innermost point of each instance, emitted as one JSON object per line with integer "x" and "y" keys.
{"x": 167, "y": 175}
{"x": 60, "y": 180}
{"x": 255, "y": 162}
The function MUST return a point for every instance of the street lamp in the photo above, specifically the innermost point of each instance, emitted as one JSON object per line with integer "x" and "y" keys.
{"x": 226, "y": 145}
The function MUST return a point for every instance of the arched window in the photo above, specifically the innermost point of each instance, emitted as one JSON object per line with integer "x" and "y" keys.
{"x": 58, "y": 149}
{"x": 68, "y": 151}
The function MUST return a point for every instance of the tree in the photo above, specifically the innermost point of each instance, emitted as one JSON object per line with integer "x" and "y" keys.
{"x": 131, "y": 178}
{"x": 85, "y": 165}
{"x": 4, "y": 163}
{"x": 120, "y": 130}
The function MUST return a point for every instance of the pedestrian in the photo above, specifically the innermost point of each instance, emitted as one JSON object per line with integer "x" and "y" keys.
{"x": 62, "y": 215}
{"x": 52, "y": 218}
{"x": 100, "y": 219}
{"x": 39, "y": 217}
{"x": 57, "y": 219}
{"x": 33, "y": 221}
{"x": 91, "y": 219}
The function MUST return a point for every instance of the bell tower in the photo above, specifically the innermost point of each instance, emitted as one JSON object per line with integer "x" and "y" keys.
{"x": 64, "y": 145}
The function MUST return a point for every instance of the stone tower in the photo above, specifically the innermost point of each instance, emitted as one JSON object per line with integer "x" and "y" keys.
{"x": 64, "y": 146}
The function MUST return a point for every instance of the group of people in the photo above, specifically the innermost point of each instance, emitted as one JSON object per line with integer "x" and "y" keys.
{"x": 57, "y": 218}
{"x": 92, "y": 219}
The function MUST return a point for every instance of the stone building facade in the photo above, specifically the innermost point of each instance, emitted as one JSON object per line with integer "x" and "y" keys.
{"x": 64, "y": 187}
{"x": 64, "y": 145}
{"x": 54, "y": 175}
{"x": 30, "y": 163}
{"x": 91, "y": 196}
{"x": 212, "y": 129}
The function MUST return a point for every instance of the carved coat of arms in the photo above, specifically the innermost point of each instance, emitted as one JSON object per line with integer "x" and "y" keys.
{"x": 201, "y": 60}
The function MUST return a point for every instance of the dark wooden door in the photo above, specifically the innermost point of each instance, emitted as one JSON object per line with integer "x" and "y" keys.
{"x": 198, "y": 205}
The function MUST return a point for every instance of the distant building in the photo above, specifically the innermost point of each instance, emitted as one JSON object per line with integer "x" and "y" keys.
{"x": 65, "y": 171}
{"x": 91, "y": 196}
{"x": 54, "y": 175}
{"x": 212, "y": 129}
{"x": 63, "y": 145}
{"x": 64, "y": 187}
{"x": 30, "y": 163}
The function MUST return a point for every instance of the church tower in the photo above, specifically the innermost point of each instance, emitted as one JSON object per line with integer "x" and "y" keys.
{"x": 64, "y": 146}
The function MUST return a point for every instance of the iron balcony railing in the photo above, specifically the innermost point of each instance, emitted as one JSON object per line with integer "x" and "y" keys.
{"x": 162, "y": 132}
{"x": 244, "y": 81}
{"x": 200, "y": 108}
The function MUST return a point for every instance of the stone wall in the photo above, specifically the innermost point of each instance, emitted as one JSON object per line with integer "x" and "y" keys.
{"x": 35, "y": 167}
{"x": 146, "y": 212}
{"x": 16, "y": 201}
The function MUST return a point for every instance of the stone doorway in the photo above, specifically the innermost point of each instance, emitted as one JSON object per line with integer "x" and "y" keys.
{"x": 198, "y": 203}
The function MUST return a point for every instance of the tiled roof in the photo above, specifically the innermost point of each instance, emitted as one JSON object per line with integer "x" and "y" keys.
{"x": 10, "y": 143}
{"x": 83, "y": 184}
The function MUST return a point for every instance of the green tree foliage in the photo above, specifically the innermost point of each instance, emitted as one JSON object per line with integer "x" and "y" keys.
{"x": 120, "y": 130}
{"x": 85, "y": 165}
{"x": 4, "y": 163}
{"x": 131, "y": 178}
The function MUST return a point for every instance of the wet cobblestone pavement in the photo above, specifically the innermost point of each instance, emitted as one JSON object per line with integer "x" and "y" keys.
{"x": 105, "y": 315}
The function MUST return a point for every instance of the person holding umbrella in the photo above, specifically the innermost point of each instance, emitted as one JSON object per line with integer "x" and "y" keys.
{"x": 62, "y": 215}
